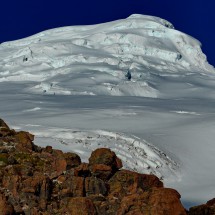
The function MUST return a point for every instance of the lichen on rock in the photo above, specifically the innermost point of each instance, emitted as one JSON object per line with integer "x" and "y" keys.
{"x": 36, "y": 180}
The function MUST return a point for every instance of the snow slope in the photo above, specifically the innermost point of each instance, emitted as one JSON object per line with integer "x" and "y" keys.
{"x": 93, "y": 60}
{"x": 70, "y": 87}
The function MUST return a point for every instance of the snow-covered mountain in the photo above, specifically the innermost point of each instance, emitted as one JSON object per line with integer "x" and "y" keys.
{"x": 135, "y": 85}
{"x": 94, "y": 60}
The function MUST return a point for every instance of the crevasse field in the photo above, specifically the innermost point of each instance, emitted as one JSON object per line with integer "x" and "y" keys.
{"x": 136, "y": 85}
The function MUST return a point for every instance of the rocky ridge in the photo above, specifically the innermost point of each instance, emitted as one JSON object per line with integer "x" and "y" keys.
{"x": 205, "y": 209}
{"x": 36, "y": 180}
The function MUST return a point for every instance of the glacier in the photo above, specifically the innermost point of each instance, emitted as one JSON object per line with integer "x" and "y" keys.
{"x": 70, "y": 87}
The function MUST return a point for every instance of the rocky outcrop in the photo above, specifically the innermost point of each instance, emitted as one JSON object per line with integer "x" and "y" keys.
{"x": 36, "y": 180}
{"x": 205, "y": 209}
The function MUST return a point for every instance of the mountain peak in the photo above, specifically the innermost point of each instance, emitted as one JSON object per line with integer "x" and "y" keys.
{"x": 101, "y": 55}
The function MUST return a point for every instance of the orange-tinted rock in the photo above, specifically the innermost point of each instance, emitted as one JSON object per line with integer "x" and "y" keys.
{"x": 150, "y": 181}
{"x": 5, "y": 130}
{"x": 12, "y": 183}
{"x": 12, "y": 160}
{"x": 101, "y": 171}
{"x": 134, "y": 204}
{"x": 159, "y": 201}
{"x": 73, "y": 186}
{"x": 205, "y": 209}
{"x": 3, "y": 124}
{"x": 82, "y": 170}
{"x": 105, "y": 156}
{"x": 35, "y": 192}
{"x": 5, "y": 207}
{"x": 4, "y": 159}
{"x": 59, "y": 165}
{"x": 39, "y": 185}
{"x": 99, "y": 202}
{"x": 126, "y": 182}
{"x": 80, "y": 206}
{"x": 61, "y": 179}
{"x": 72, "y": 160}
{"x": 36, "y": 180}
{"x": 34, "y": 211}
{"x": 211, "y": 202}
{"x": 54, "y": 163}
{"x": 165, "y": 201}
{"x": 48, "y": 149}
{"x": 108, "y": 207}
{"x": 24, "y": 141}
{"x": 94, "y": 186}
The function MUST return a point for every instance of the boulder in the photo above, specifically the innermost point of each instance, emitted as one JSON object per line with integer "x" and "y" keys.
{"x": 53, "y": 164}
{"x": 165, "y": 201}
{"x": 24, "y": 141}
{"x": 105, "y": 156}
{"x": 72, "y": 160}
{"x": 159, "y": 201}
{"x": 126, "y": 182}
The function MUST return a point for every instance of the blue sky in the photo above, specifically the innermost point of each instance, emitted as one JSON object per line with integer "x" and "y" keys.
{"x": 23, "y": 18}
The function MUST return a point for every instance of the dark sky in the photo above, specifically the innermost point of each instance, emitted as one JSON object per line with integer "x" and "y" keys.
{"x": 26, "y": 17}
